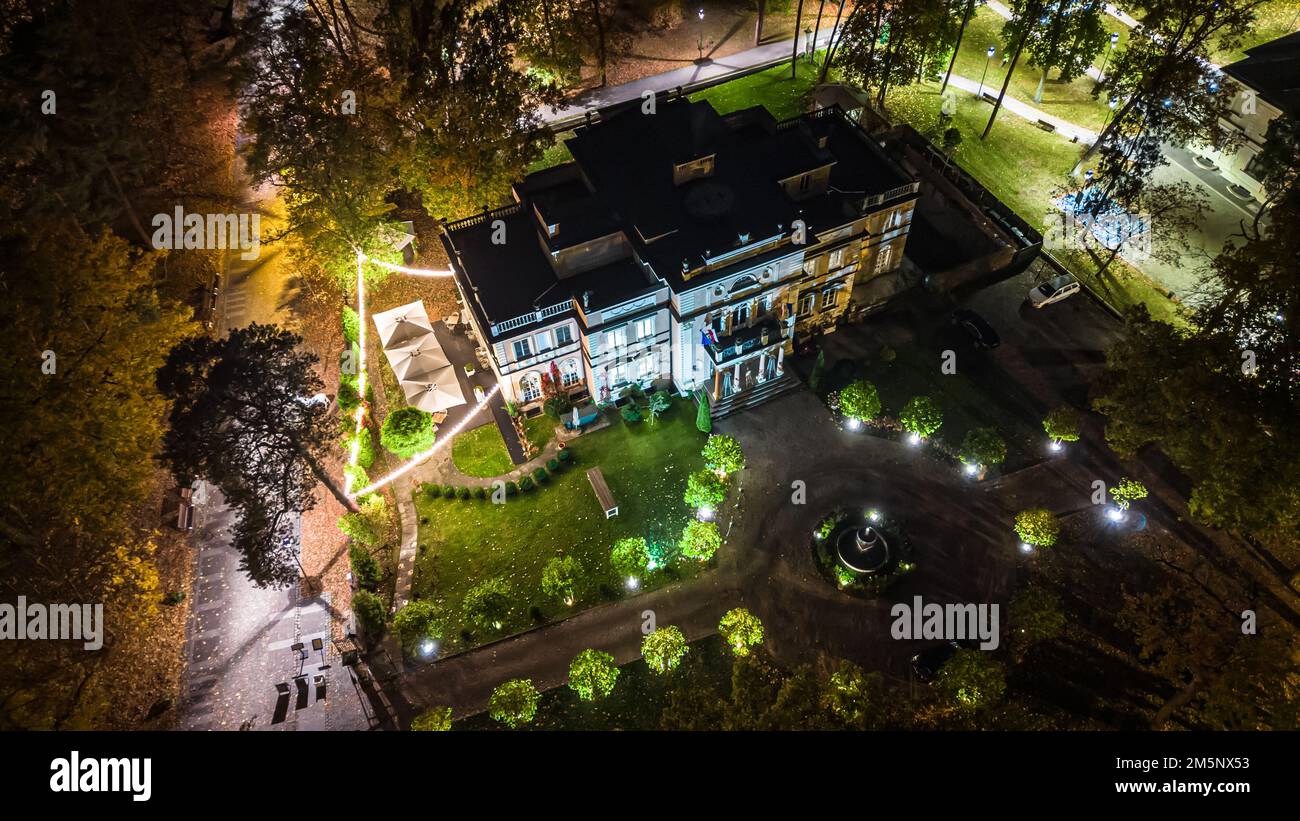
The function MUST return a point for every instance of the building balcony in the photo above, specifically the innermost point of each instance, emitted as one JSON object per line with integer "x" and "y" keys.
{"x": 763, "y": 333}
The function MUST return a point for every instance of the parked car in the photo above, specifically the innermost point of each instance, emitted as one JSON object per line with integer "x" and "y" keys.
{"x": 927, "y": 663}
{"x": 975, "y": 326}
{"x": 1053, "y": 290}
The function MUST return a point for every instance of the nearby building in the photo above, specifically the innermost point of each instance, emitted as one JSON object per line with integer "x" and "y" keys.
{"x": 680, "y": 249}
{"x": 1270, "y": 74}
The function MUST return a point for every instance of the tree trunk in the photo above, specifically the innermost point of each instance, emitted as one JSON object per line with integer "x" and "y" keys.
{"x": 600, "y": 41}
{"x": 794, "y": 57}
{"x": 324, "y": 478}
{"x": 1038, "y": 93}
{"x": 1006, "y": 81}
{"x": 961, "y": 32}
{"x": 817, "y": 30}
{"x": 758, "y": 25}
{"x": 1092, "y": 150}
{"x": 833, "y": 44}
{"x": 884, "y": 74}
{"x": 550, "y": 30}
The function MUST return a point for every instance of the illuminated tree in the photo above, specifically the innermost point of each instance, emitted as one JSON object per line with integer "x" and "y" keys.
{"x": 630, "y": 556}
{"x": 700, "y": 540}
{"x": 514, "y": 702}
{"x": 741, "y": 630}
{"x": 1037, "y": 526}
{"x": 1127, "y": 491}
{"x": 854, "y": 699}
{"x": 859, "y": 400}
{"x": 1035, "y": 615}
{"x": 559, "y": 576}
{"x": 921, "y": 415}
{"x": 487, "y": 604}
{"x": 972, "y": 680}
{"x": 983, "y": 446}
{"x": 664, "y": 649}
{"x": 408, "y": 431}
{"x": 1062, "y": 423}
{"x": 417, "y": 622}
{"x": 434, "y": 719}
{"x": 704, "y": 488}
{"x": 592, "y": 675}
{"x": 722, "y": 453}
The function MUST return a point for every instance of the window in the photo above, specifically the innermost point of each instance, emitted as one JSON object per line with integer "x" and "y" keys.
{"x": 543, "y": 341}
{"x": 645, "y": 327}
{"x": 616, "y": 338}
{"x": 645, "y": 366}
{"x": 806, "y": 303}
{"x": 743, "y": 283}
{"x": 830, "y": 296}
{"x": 523, "y": 349}
{"x": 882, "y": 257}
{"x": 563, "y": 335}
{"x": 740, "y": 316}
{"x": 569, "y": 372}
{"x": 837, "y": 258}
{"x": 530, "y": 387}
{"x": 765, "y": 303}
{"x": 810, "y": 267}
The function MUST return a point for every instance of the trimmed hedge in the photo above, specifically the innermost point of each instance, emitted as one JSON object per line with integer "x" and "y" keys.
{"x": 449, "y": 492}
{"x": 527, "y": 483}
{"x": 463, "y": 494}
{"x": 480, "y": 493}
{"x": 540, "y": 475}
{"x": 512, "y": 489}
{"x": 566, "y": 456}
{"x": 552, "y": 465}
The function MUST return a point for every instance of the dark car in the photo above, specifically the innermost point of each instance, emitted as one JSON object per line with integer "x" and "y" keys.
{"x": 975, "y": 326}
{"x": 927, "y": 663}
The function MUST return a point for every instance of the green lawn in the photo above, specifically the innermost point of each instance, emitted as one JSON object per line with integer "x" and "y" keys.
{"x": 541, "y": 430}
{"x": 1273, "y": 19}
{"x": 771, "y": 88}
{"x": 556, "y": 154}
{"x": 639, "y": 696}
{"x": 481, "y": 452}
{"x": 466, "y": 542}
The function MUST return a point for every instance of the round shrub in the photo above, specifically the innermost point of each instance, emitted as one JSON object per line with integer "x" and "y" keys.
{"x": 527, "y": 483}
{"x": 480, "y": 493}
{"x": 408, "y": 431}
{"x": 512, "y": 489}
{"x": 552, "y": 465}
{"x": 566, "y": 456}
{"x": 432, "y": 491}
{"x": 860, "y": 400}
{"x": 449, "y": 492}
{"x": 463, "y": 494}
{"x": 514, "y": 703}
{"x": 540, "y": 475}
{"x": 921, "y": 415}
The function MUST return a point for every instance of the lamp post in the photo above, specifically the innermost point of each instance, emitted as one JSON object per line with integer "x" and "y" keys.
{"x": 987, "y": 58}
{"x": 1111, "y": 103}
{"x": 808, "y": 43}
{"x": 1101, "y": 74}
{"x": 699, "y": 38}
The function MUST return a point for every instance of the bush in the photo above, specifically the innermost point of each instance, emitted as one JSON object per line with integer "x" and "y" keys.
{"x": 888, "y": 354}
{"x": 370, "y": 612}
{"x": 348, "y": 397}
{"x": 630, "y": 557}
{"x": 860, "y": 400}
{"x": 983, "y": 446}
{"x": 434, "y": 719}
{"x": 449, "y": 492}
{"x": 514, "y": 703}
{"x": 1062, "y": 424}
{"x": 351, "y": 325}
{"x": 630, "y": 413}
{"x": 480, "y": 493}
{"x": 365, "y": 568}
{"x": 366, "y": 451}
{"x": 741, "y": 630}
{"x": 1127, "y": 491}
{"x": 557, "y": 406}
{"x": 722, "y": 453}
{"x": 565, "y": 456}
{"x": 487, "y": 604}
{"x": 512, "y": 489}
{"x": 1037, "y": 526}
{"x": 408, "y": 431}
{"x": 463, "y": 494}
{"x": 417, "y": 623}
{"x": 553, "y": 465}
{"x": 700, "y": 540}
{"x": 705, "y": 489}
{"x": 921, "y": 415}
{"x": 559, "y": 577}
{"x": 431, "y": 491}
{"x": 540, "y": 475}
{"x": 527, "y": 483}
{"x": 592, "y": 675}
{"x": 664, "y": 649}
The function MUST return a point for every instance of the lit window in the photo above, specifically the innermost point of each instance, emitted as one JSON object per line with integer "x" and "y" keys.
{"x": 543, "y": 341}
{"x": 645, "y": 327}
{"x": 616, "y": 338}
{"x": 882, "y": 257}
{"x": 530, "y": 387}
{"x": 830, "y": 296}
{"x": 806, "y": 303}
{"x": 837, "y": 258}
{"x": 569, "y": 372}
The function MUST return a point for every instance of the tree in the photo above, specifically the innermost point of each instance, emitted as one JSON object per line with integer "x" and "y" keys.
{"x": 1026, "y": 16}
{"x": 1067, "y": 37}
{"x": 972, "y": 680}
{"x": 630, "y": 557}
{"x": 365, "y": 567}
{"x": 407, "y": 432}
{"x": 559, "y": 576}
{"x": 983, "y": 446}
{"x": 592, "y": 675}
{"x": 961, "y": 32}
{"x": 859, "y": 400}
{"x": 1037, "y": 526}
{"x": 1036, "y": 615}
{"x": 722, "y": 453}
{"x": 487, "y": 604}
{"x": 818, "y": 372}
{"x": 434, "y": 719}
{"x": 370, "y": 612}
{"x": 552, "y": 38}
{"x": 417, "y": 622}
{"x": 703, "y": 419}
{"x": 368, "y": 526}
{"x": 1155, "y": 221}
{"x": 921, "y": 416}
{"x": 700, "y": 540}
{"x": 1126, "y": 491}
{"x": 514, "y": 703}
{"x": 658, "y": 403}
{"x": 854, "y": 699}
{"x": 705, "y": 489}
{"x": 741, "y": 630}
{"x": 1062, "y": 423}
{"x": 794, "y": 52}
{"x": 241, "y": 418}
{"x": 895, "y": 44}
{"x": 664, "y": 649}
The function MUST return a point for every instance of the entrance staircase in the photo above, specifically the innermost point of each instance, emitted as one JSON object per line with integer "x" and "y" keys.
{"x": 756, "y": 395}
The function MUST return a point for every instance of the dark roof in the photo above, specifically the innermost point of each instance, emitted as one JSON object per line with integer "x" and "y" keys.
{"x": 1273, "y": 70}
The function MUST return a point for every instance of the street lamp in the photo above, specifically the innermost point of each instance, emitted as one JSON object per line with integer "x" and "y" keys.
{"x": 1111, "y": 103}
{"x": 987, "y": 58}
{"x": 1101, "y": 75}
{"x": 699, "y": 38}
{"x": 808, "y": 43}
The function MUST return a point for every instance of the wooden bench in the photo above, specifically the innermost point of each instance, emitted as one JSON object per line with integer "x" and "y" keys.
{"x": 1045, "y": 125}
{"x": 603, "y": 495}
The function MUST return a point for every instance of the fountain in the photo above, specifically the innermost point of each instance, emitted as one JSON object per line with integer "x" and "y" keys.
{"x": 863, "y": 550}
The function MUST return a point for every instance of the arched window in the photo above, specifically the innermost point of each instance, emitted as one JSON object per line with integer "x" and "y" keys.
{"x": 530, "y": 387}
{"x": 569, "y": 373}
{"x": 743, "y": 283}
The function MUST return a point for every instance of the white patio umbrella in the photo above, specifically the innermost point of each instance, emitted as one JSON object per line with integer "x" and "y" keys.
{"x": 417, "y": 360}
{"x": 434, "y": 391}
{"x": 576, "y": 417}
{"x": 403, "y": 325}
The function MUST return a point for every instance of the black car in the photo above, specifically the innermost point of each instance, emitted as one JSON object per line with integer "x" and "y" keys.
{"x": 977, "y": 328}
{"x": 927, "y": 663}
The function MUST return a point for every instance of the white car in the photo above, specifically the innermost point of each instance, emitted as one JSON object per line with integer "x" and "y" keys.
{"x": 1053, "y": 290}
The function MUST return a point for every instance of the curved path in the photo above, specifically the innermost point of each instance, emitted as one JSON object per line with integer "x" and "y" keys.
{"x": 964, "y": 549}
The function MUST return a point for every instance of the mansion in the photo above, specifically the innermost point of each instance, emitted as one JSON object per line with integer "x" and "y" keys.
{"x": 680, "y": 249}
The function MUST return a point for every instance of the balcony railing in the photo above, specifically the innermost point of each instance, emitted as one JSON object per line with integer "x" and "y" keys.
{"x": 530, "y": 318}
{"x": 744, "y": 340}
